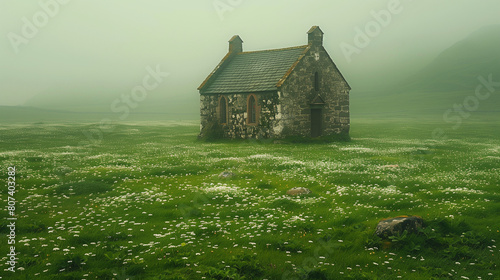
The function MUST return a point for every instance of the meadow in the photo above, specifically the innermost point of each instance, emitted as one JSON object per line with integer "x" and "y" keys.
{"x": 145, "y": 201}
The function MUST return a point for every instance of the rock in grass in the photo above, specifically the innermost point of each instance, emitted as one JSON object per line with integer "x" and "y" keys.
{"x": 227, "y": 175}
{"x": 298, "y": 191}
{"x": 393, "y": 226}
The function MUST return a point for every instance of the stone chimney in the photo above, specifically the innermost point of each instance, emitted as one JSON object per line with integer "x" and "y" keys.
{"x": 235, "y": 44}
{"x": 315, "y": 36}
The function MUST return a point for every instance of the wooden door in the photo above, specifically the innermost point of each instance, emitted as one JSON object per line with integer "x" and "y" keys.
{"x": 316, "y": 122}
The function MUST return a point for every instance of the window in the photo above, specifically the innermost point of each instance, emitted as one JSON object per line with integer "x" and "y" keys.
{"x": 252, "y": 110}
{"x": 223, "y": 110}
{"x": 316, "y": 81}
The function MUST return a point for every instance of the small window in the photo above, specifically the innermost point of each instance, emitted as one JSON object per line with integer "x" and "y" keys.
{"x": 223, "y": 110}
{"x": 316, "y": 81}
{"x": 252, "y": 110}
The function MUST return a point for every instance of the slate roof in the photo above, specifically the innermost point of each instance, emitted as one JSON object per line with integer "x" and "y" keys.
{"x": 253, "y": 71}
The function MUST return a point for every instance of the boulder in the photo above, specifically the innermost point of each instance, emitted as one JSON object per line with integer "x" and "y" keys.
{"x": 395, "y": 226}
{"x": 227, "y": 175}
{"x": 298, "y": 191}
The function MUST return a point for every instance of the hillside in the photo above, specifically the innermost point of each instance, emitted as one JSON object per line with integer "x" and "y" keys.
{"x": 22, "y": 114}
{"x": 449, "y": 79}
{"x": 458, "y": 67}
{"x": 25, "y": 114}
{"x": 105, "y": 100}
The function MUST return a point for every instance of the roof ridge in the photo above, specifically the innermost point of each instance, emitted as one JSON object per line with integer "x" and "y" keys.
{"x": 258, "y": 71}
{"x": 271, "y": 50}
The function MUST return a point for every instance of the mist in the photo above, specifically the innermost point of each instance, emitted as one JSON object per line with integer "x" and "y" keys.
{"x": 82, "y": 56}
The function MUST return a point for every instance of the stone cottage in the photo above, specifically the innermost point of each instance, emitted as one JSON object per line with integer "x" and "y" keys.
{"x": 295, "y": 91}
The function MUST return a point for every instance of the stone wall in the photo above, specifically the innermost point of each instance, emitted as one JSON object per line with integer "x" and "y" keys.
{"x": 298, "y": 91}
{"x": 236, "y": 126}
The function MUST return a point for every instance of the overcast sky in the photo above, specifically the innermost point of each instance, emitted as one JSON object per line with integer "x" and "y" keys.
{"x": 77, "y": 45}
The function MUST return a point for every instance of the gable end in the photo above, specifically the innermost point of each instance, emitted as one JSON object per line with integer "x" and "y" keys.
{"x": 290, "y": 70}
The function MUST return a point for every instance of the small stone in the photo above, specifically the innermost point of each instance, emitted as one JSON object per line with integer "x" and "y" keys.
{"x": 298, "y": 191}
{"x": 227, "y": 175}
{"x": 397, "y": 225}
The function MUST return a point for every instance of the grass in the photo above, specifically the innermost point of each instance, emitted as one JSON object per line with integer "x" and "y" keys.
{"x": 146, "y": 202}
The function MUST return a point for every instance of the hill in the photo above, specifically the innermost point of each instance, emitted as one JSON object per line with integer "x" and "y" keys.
{"x": 26, "y": 114}
{"x": 106, "y": 100}
{"x": 458, "y": 67}
{"x": 450, "y": 79}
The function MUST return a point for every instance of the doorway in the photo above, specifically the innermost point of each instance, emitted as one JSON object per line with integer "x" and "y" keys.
{"x": 316, "y": 122}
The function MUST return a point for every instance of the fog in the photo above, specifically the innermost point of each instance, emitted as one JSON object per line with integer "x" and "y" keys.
{"x": 93, "y": 51}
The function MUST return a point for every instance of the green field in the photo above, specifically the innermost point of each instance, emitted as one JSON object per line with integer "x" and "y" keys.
{"x": 144, "y": 201}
